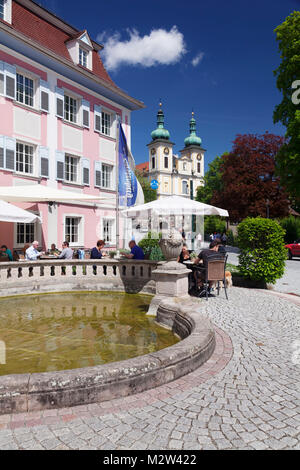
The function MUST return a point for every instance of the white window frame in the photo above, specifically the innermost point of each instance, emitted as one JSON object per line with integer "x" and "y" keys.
{"x": 7, "y": 11}
{"x": 83, "y": 52}
{"x": 78, "y": 169}
{"x": 80, "y": 241}
{"x": 34, "y": 158}
{"x": 112, "y": 220}
{"x": 37, "y": 232}
{"x": 111, "y": 176}
{"x": 187, "y": 187}
{"x": 77, "y": 100}
{"x": 36, "y": 88}
{"x": 3, "y": 9}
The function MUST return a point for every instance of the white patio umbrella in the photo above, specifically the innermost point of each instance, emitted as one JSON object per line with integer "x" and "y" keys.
{"x": 11, "y": 213}
{"x": 175, "y": 205}
{"x": 41, "y": 193}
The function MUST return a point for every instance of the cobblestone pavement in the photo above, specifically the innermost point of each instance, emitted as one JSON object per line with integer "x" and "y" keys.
{"x": 245, "y": 397}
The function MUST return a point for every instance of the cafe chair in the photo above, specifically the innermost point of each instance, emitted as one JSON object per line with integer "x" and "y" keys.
{"x": 214, "y": 271}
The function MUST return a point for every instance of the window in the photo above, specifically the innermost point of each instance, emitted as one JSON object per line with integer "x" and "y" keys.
{"x": 25, "y": 90}
{"x": 108, "y": 230}
{"x": 153, "y": 162}
{"x": 105, "y": 123}
{"x": 24, "y": 158}
{"x": 185, "y": 187}
{"x": 83, "y": 57}
{"x": 25, "y": 233}
{"x": 166, "y": 162}
{"x": 72, "y": 227}
{"x": 106, "y": 176}
{"x": 70, "y": 108}
{"x": 2, "y": 9}
{"x": 199, "y": 167}
{"x": 71, "y": 168}
{"x": 184, "y": 166}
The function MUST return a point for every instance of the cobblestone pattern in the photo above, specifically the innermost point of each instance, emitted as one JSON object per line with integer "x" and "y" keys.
{"x": 250, "y": 402}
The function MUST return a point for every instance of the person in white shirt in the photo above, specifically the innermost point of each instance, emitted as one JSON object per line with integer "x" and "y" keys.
{"x": 32, "y": 252}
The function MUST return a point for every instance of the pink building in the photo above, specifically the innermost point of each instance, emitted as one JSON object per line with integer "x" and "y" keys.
{"x": 58, "y": 116}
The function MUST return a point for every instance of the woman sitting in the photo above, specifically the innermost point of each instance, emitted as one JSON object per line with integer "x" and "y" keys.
{"x": 184, "y": 255}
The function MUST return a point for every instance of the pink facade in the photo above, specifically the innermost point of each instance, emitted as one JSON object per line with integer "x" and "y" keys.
{"x": 59, "y": 129}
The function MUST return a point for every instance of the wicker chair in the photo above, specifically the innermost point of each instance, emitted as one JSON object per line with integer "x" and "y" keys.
{"x": 213, "y": 271}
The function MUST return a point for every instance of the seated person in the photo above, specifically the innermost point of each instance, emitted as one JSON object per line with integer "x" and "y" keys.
{"x": 184, "y": 255}
{"x": 221, "y": 247}
{"x": 136, "y": 251}
{"x": 67, "y": 252}
{"x": 96, "y": 252}
{"x": 32, "y": 253}
{"x": 53, "y": 250}
{"x": 4, "y": 251}
{"x": 203, "y": 257}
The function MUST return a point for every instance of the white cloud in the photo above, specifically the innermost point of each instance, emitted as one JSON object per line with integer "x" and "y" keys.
{"x": 159, "y": 47}
{"x": 197, "y": 59}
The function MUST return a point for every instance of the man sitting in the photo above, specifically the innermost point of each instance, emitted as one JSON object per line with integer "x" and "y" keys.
{"x": 32, "y": 252}
{"x": 136, "y": 251}
{"x": 202, "y": 259}
{"x": 67, "y": 252}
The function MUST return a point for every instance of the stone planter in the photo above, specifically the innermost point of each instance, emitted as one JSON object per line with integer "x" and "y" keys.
{"x": 171, "y": 246}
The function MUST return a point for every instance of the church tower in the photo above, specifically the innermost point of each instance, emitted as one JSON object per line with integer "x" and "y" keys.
{"x": 192, "y": 158}
{"x": 161, "y": 156}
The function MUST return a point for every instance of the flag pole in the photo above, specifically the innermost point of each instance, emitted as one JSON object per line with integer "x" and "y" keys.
{"x": 117, "y": 186}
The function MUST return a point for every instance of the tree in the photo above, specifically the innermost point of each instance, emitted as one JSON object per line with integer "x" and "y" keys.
{"x": 288, "y": 111}
{"x": 149, "y": 193}
{"x": 212, "y": 182}
{"x": 249, "y": 185}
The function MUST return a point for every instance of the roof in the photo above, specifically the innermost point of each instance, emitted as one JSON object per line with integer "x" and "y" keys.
{"x": 142, "y": 167}
{"x": 52, "y": 33}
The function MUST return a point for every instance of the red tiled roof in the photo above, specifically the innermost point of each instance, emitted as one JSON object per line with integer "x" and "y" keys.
{"x": 142, "y": 166}
{"x": 50, "y": 36}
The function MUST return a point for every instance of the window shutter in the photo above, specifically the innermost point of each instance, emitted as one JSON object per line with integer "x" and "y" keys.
{"x": 86, "y": 171}
{"x": 1, "y": 151}
{"x": 97, "y": 174}
{"x": 59, "y": 102}
{"x": 10, "y": 81}
{"x": 60, "y": 165}
{"x": 85, "y": 114}
{"x": 1, "y": 78}
{"x": 44, "y": 161}
{"x": 10, "y": 153}
{"x": 114, "y": 126}
{"x": 97, "y": 118}
{"x": 45, "y": 93}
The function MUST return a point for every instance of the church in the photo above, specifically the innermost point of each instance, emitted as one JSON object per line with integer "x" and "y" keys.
{"x": 176, "y": 175}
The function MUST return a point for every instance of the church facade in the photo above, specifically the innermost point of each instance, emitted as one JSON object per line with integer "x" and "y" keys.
{"x": 176, "y": 174}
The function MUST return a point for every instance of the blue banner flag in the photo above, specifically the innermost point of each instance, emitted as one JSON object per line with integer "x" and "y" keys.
{"x": 128, "y": 186}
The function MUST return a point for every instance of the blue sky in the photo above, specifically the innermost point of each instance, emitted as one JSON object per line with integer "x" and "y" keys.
{"x": 214, "y": 57}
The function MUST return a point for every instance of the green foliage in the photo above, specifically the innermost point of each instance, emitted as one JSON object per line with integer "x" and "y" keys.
{"x": 213, "y": 223}
{"x": 149, "y": 193}
{"x": 150, "y": 246}
{"x": 288, "y": 111}
{"x": 156, "y": 254}
{"x": 262, "y": 255}
{"x": 291, "y": 225}
{"x": 212, "y": 182}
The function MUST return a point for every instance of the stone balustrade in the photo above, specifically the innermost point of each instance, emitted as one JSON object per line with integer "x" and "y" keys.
{"x": 27, "y": 277}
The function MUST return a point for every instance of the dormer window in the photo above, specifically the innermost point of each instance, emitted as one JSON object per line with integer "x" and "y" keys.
{"x": 81, "y": 49}
{"x": 5, "y": 10}
{"x": 83, "y": 57}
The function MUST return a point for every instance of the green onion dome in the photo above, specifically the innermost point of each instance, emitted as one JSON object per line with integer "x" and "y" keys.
{"x": 193, "y": 139}
{"x": 160, "y": 132}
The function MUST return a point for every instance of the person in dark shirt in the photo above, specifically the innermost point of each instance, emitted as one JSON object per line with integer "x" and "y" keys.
{"x": 96, "y": 252}
{"x": 136, "y": 251}
{"x": 203, "y": 257}
{"x": 221, "y": 247}
{"x": 184, "y": 255}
